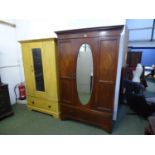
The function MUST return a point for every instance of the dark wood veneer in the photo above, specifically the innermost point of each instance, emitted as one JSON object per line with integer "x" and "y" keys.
{"x": 104, "y": 43}
{"x": 5, "y": 106}
{"x": 90, "y": 32}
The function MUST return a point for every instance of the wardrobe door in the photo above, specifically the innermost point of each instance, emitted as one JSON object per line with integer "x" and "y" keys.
{"x": 26, "y": 55}
{"x": 107, "y": 66}
{"x": 85, "y": 68}
{"x": 36, "y": 63}
{"x": 66, "y": 74}
{"x": 34, "y": 68}
{"x": 50, "y": 69}
{"x": 38, "y": 69}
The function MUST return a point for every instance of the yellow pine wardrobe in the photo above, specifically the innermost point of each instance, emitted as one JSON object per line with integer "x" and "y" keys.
{"x": 39, "y": 60}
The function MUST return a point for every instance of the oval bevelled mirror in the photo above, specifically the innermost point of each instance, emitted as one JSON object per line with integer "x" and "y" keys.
{"x": 84, "y": 73}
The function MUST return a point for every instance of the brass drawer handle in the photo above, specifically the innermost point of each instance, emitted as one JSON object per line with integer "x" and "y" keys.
{"x": 49, "y": 106}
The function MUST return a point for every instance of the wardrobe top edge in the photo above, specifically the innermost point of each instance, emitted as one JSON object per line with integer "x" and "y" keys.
{"x": 35, "y": 40}
{"x": 119, "y": 27}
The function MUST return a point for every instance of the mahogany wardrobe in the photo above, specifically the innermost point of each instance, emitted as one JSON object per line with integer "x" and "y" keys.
{"x": 87, "y": 61}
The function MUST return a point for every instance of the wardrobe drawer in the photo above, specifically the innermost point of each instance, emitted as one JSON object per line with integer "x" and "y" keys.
{"x": 68, "y": 111}
{"x": 40, "y": 103}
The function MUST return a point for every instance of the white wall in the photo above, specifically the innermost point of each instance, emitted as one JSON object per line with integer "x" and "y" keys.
{"x": 31, "y": 29}
{"x": 9, "y": 58}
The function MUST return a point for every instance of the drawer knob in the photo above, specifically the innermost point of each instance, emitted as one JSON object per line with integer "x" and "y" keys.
{"x": 49, "y": 106}
{"x": 32, "y": 102}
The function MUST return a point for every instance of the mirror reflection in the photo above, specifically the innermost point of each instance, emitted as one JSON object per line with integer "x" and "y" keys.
{"x": 84, "y": 73}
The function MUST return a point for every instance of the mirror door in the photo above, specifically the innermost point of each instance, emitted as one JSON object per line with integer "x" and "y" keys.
{"x": 84, "y": 73}
{"x": 37, "y": 64}
{"x": 85, "y": 61}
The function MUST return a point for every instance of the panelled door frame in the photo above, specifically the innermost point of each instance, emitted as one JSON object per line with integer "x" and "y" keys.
{"x": 108, "y": 81}
{"x": 66, "y": 77}
{"x": 76, "y": 43}
{"x": 27, "y": 68}
{"x": 36, "y": 93}
{"x": 50, "y": 74}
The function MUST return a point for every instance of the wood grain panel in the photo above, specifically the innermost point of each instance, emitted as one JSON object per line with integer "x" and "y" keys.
{"x": 66, "y": 58}
{"x": 107, "y": 59}
{"x": 107, "y": 74}
{"x": 94, "y": 117}
{"x": 66, "y": 65}
{"x": 101, "y": 119}
{"x": 105, "y": 95}
{"x": 66, "y": 91}
{"x": 90, "y": 32}
{"x": 26, "y": 55}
